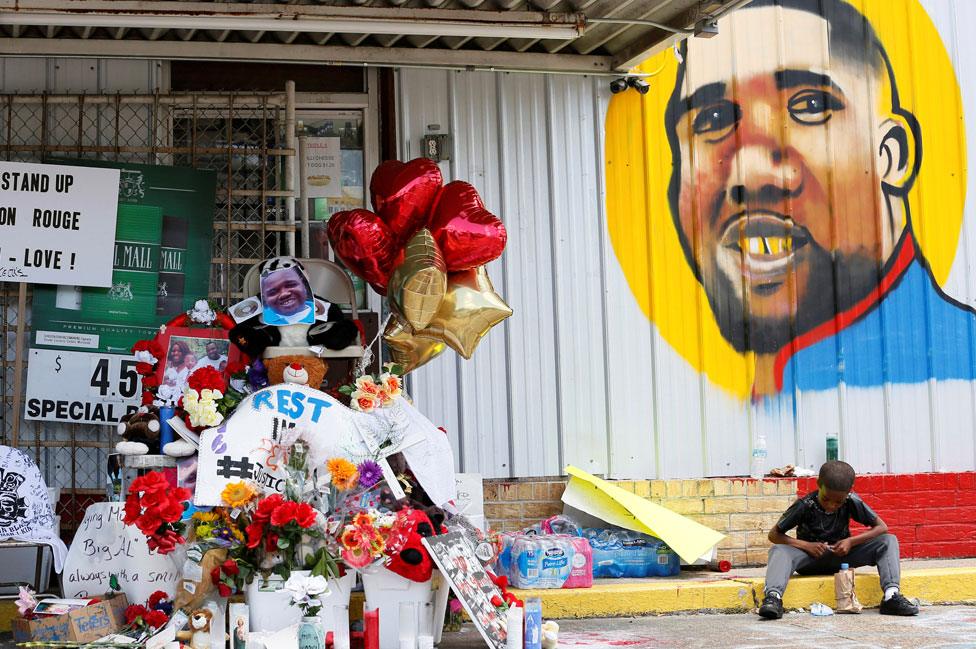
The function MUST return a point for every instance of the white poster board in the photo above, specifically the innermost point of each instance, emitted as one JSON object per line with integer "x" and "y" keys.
{"x": 323, "y": 167}
{"x": 250, "y": 445}
{"x": 80, "y": 387}
{"x": 471, "y": 498}
{"x": 57, "y": 223}
{"x": 103, "y": 546}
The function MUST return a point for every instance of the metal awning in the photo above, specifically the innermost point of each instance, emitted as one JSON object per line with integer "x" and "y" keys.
{"x": 578, "y": 36}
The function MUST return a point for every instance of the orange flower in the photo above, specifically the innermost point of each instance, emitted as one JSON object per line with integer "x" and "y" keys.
{"x": 342, "y": 471}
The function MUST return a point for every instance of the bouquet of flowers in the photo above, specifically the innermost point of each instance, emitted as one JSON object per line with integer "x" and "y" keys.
{"x": 152, "y": 615}
{"x": 156, "y": 508}
{"x": 370, "y": 392}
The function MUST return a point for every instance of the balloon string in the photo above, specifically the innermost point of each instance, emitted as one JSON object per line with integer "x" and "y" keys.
{"x": 367, "y": 357}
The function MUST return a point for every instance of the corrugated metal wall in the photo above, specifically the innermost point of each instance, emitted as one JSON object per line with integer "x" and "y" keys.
{"x": 589, "y": 372}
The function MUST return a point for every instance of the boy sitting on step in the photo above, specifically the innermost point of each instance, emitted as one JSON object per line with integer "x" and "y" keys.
{"x": 823, "y": 542}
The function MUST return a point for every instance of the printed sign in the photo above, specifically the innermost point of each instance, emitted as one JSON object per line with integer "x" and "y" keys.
{"x": 455, "y": 558}
{"x": 104, "y": 546}
{"x": 80, "y": 387}
{"x": 323, "y": 167}
{"x": 57, "y": 223}
{"x": 159, "y": 263}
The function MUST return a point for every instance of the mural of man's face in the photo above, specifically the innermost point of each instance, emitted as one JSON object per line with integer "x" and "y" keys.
{"x": 781, "y": 200}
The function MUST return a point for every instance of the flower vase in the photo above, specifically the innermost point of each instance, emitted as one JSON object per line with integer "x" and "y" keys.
{"x": 386, "y": 590}
{"x": 311, "y": 635}
{"x": 272, "y": 610}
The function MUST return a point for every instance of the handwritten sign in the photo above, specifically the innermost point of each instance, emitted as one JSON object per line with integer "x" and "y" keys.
{"x": 252, "y": 444}
{"x": 455, "y": 558}
{"x": 103, "y": 546}
{"x": 57, "y": 224}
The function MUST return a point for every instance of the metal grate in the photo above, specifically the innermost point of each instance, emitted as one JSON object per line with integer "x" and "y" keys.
{"x": 244, "y": 138}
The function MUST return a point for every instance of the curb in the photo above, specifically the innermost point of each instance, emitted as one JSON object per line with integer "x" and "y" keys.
{"x": 610, "y": 598}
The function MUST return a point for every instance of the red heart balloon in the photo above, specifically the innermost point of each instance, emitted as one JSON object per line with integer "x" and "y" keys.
{"x": 365, "y": 245}
{"x": 402, "y": 193}
{"x": 468, "y": 234}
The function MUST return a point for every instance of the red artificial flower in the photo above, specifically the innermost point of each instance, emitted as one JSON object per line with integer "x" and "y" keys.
{"x": 215, "y": 575}
{"x": 266, "y": 507}
{"x": 305, "y": 516}
{"x": 271, "y": 543}
{"x": 284, "y": 513}
{"x": 164, "y": 543}
{"x": 151, "y": 381}
{"x": 229, "y": 567}
{"x": 157, "y": 597}
{"x": 147, "y": 398}
{"x": 206, "y": 378}
{"x": 224, "y": 590}
{"x": 144, "y": 369}
{"x": 133, "y": 612}
{"x": 141, "y": 346}
{"x": 496, "y": 601}
{"x": 155, "y": 619}
{"x": 234, "y": 367}
{"x": 149, "y": 523}
{"x": 254, "y": 533}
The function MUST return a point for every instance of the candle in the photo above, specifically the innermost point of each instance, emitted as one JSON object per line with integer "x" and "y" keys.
{"x": 371, "y": 629}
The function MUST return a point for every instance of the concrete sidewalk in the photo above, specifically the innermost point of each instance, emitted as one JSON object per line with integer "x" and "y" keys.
{"x": 935, "y": 627}
{"x": 943, "y": 581}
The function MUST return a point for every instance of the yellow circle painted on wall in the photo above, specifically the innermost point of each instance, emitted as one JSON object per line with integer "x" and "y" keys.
{"x": 799, "y": 121}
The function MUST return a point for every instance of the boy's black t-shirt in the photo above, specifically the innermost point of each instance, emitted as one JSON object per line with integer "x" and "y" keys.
{"x": 816, "y": 525}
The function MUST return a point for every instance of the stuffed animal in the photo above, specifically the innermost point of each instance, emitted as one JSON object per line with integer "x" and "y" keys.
{"x": 140, "y": 432}
{"x": 253, "y": 336}
{"x": 310, "y": 370}
{"x": 413, "y": 562}
{"x": 199, "y": 632}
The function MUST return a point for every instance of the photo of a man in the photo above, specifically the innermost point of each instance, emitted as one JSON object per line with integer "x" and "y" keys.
{"x": 216, "y": 355}
{"x": 286, "y": 297}
{"x": 789, "y": 192}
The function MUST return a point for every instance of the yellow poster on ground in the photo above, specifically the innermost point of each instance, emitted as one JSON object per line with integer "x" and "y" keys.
{"x": 588, "y": 493}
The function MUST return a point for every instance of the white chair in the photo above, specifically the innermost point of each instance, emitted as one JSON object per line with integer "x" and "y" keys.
{"x": 330, "y": 282}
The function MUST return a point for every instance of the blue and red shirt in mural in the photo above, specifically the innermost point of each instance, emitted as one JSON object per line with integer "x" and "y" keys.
{"x": 907, "y": 331}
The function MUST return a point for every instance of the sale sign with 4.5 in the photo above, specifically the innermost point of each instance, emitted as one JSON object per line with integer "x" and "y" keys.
{"x": 80, "y": 387}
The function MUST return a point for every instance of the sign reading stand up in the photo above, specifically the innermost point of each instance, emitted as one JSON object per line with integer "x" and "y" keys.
{"x": 57, "y": 224}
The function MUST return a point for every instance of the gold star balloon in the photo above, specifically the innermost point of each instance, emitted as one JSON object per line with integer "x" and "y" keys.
{"x": 418, "y": 284}
{"x": 408, "y": 350}
{"x": 469, "y": 309}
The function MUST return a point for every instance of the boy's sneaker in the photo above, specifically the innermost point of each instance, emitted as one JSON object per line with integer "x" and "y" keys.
{"x": 898, "y": 604}
{"x": 772, "y": 608}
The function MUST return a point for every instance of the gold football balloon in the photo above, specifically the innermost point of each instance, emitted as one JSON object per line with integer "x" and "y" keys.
{"x": 470, "y": 308}
{"x": 408, "y": 350}
{"x": 418, "y": 284}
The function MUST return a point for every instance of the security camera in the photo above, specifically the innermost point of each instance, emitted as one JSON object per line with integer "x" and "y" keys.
{"x": 618, "y": 85}
{"x": 639, "y": 85}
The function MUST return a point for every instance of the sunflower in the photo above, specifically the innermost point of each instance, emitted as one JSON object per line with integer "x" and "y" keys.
{"x": 237, "y": 494}
{"x": 343, "y": 472}
{"x": 206, "y": 517}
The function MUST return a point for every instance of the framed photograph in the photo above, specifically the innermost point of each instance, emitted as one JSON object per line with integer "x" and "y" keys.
{"x": 187, "y": 350}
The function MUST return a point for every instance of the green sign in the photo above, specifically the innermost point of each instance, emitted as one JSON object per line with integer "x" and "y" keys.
{"x": 161, "y": 265}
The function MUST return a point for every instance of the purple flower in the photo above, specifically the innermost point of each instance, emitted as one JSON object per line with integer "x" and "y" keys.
{"x": 369, "y": 474}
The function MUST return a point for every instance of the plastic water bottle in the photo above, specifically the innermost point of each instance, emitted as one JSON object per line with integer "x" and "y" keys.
{"x": 758, "y": 468}
{"x": 832, "y": 446}
{"x": 533, "y": 623}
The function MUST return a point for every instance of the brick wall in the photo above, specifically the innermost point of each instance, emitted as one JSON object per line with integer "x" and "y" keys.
{"x": 933, "y": 514}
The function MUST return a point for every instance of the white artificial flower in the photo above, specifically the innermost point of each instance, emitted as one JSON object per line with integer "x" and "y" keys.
{"x": 145, "y": 357}
{"x": 305, "y": 589}
{"x": 202, "y": 312}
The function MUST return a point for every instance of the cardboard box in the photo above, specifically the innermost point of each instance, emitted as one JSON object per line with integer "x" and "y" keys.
{"x": 82, "y": 625}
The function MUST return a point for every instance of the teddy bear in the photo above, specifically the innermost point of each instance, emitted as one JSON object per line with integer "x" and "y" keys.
{"x": 199, "y": 632}
{"x": 413, "y": 562}
{"x": 254, "y": 335}
{"x": 140, "y": 432}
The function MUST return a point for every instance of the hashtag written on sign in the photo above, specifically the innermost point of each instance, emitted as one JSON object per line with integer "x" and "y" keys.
{"x": 228, "y": 467}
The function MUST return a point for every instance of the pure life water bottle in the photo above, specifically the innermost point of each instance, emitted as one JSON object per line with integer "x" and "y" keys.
{"x": 758, "y": 468}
